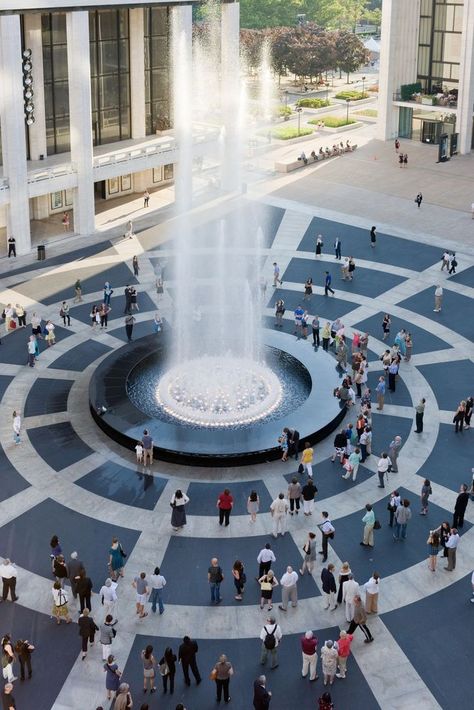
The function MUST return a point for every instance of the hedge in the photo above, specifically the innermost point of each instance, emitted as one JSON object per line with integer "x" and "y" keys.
{"x": 333, "y": 121}
{"x": 285, "y": 133}
{"x": 313, "y": 103}
{"x": 352, "y": 95}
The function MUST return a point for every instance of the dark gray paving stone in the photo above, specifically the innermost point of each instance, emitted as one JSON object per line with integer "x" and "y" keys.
{"x": 12, "y": 481}
{"x": 123, "y": 485}
{"x": 79, "y": 357}
{"x": 450, "y": 381}
{"x": 5, "y": 381}
{"x": 454, "y": 313}
{"x": 450, "y": 462}
{"x": 13, "y": 350}
{"x": 203, "y": 497}
{"x": 423, "y": 340}
{"x": 47, "y": 396}
{"x": 59, "y": 445}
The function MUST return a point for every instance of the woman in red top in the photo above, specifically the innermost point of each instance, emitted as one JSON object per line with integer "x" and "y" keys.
{"x": 224, "y": 504}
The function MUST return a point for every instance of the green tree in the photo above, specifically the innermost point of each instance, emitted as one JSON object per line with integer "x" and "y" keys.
{"x": 350, "y": 53}
{"x": 259, "y": 14}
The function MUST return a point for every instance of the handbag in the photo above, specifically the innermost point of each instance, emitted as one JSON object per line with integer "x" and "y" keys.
{"x": 124, "y": 554}
{"x": 243, "y": 578}
{"x": 164, "y": 670}
{"x": 300, "y": 468}
{"x": 213, "y": 674}
{"x": 266, "y": 586}
{"x": 377, "y": 525}
{"x": 12, "y": 325}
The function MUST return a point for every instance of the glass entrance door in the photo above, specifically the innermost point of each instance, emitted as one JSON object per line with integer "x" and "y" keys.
{"x": 430, "y": 131}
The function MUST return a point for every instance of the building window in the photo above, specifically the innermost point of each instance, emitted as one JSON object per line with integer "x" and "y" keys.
{"x": 56, "y": 90}
{"x": 110, "y": 75}
{"x": 157, "y": 80}
{"x": 439, "y": 43}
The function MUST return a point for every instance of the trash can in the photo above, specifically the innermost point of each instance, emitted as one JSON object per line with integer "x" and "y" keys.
{"x": 41, "y": 252}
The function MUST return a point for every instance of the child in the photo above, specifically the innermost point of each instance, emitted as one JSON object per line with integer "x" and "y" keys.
{"x": 139, "y": 452}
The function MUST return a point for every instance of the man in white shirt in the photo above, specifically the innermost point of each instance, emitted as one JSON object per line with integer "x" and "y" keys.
{"x": 108, "y": 594}
{"x": 8, "y": 573}
{"x": 157, "y": 583}
{"x": 451, "y": 545}
{"x": 279, "y": 510}
{"x": 382, "y": 468}
{"x": 350, "y": 589}
{"x": 445, "y": 261}
{"x": 288, "y": 589}
{"x": 276, "y": 275}
{"x": 327, "y": 531}
{"x": 438, "y": 299}
{"x": 270, "y": 636}
{"x": 265, "y": 558}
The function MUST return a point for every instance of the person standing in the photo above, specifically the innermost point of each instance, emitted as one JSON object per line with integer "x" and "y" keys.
{"x": 424, "y": 496}
{"x": 327, "y": 531}
{"x": 327, "y": 284}
{"x": 337, "y": 248}
{"x": 433, "y": 543}
{"x": 149, "y": 666}
{"x": 459, "y": 417}
{"x": 223, "y": 672}
{"x": 16, "y": 426}
{"x": 279, "y": 313}
{"x": 294, "y": 495}
{"x": 360, "y": 620}
{"x": 315, "y": 327}
{"x": 419, "y": 199}
{"x": 261, "y": 696}
{"x": 372, "y": 588}
{"x": 308, "y": 492}
{"x": 276, "y": 275}
{"x": 270, "y": 636}
{"x": 386, "y": 326}
{"x": 265, "y": 559}
{"x": 373, "y": 237}
{"x": 309, "y": 549}
{"x": 108, "y": 594}
{"x": 393, "y": 451}
{"x": 157, "y": 584}
{"x": 11, "y": 246}
{"x": 24, "y": 649}
{"x": 380, "y": 393}
{"x": 215, "y": 577}
{"x": 140, "y": 584}
{"x": 397, "y": 145}
{"x": 135, "y": 266}
{"x": 187, "y": 653}
{"x": 107, "y": 635}
{"x": 87, "y": 629}
{"x": 402, "y": 516}
{"x": 84, "y": 590}
{"x": 369, "y": 522}
{"x": 116, "y": 558}
{"x": 146, "y": 198}
{"x": 329, "y": 656}
{"x": 167, "y": 666}
{"x": 267, "y": 585}
{"x": 460, "y": 507}
{"x": 240, "y": 579}
{"x": 147, "y": 443}
{"x": 329, "y": 587}
{"x": 279, "y": 511}
{"x": 308, "y": 289}
{"x": 288, "y": 589}
{"x": 129, "y": 322}
{"x": 383, "y": 466}
{"x": 224, "y": 504}
{"x": 319, "y": 245}
{"x": 64, "y": 313}
{"x": 419, "y": 414}
{"x": 343, "y": 651}
{"x": 77, "y": 291}
{"x": 438, "y": 299}
{"x": 74, "y": 568}
{"x": 350, "y": 589}
{"x": 451, "y": 546}
{"x": 108, "y": 291}
{"x": 309, "y": 652}
{"x": 392, "y": 375}
{"x": 60, "y": 609}
{"x": 307, "y": 458}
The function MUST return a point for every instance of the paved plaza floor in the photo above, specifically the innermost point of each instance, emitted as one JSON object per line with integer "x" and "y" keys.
{"x": 67, "y": 478}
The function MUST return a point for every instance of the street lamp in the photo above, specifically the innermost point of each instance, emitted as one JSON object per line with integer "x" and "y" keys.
{"x": 363, "y": 83}
{"x": 348, "y": 101}
{"x": 299, "y": 109}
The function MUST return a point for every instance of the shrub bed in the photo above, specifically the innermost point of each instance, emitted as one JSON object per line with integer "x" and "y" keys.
{"x": 333, "y": 121}
{"x": 370, "y": 112}
{"x": 352, "y": 95}
{"x": 285, "y": 133}
{"x": 313, "y": 103}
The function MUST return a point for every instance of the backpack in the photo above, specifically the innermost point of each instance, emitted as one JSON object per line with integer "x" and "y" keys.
{"x": 270, "y": 640}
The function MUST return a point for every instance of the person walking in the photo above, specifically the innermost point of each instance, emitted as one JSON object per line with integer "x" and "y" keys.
{"x": 360, "y": 620}
{"x": 108, "y": 291}
{"x": 157, "y": 584}
{"x": 329, "y": 656}
{"x": 402, "y": 516}
{"x": 308, "y": 493}
{"x": 140, "y": 584}
{"x": 60, "y": 604}
{"x": 8, "y": 658}
{"x": 123, "y": 699}
{"x": 276, "y": 275}
{"x": 309, "y": 652}
{"x": 419, "y": 414}
{"x": 279, "y": 511}
{"x": 327, "y": 532}
{"x": 294, "y": 495}
{"x": 460, "y": 507}
{"x": 253, "y": 505}
{"x": 383, "y": 467}
{"x": 452, "y": 264}
{"x": 261, "y": 696}
{"x": 438, "y": 295}
{"x": 129, "y": 323}
{"x": 222, "y": 673}
{"x": 369, "y": 522}
{"x": 288, "y": 589}
{"x": 434, "y": 544}
{"x": 112, "y": 677}
{"x": 329, "y": 587}
{"x": 307, "y": 458}
{"x": 343, "y": 652}
{"x": 167, "y": 667}
{"x": 116, "y": 559}
{"x": 23, "y": 650}
{"x": 452, "y": 546}
{"x": 146, "y": 198}
{"x": 84, "y": 590}
{"x": 350, "y": 590}
{"x": 107, "y": 635}
{"x": 224, "y": 504}
{"x": 380, "y": 392}
{"x": 267, "y": 582}
{"x": 87, "y": 629}
{"x": 135, "y": 266}
{"x": 393, "y": 452}
{"x": 343, "y": 577}
{"x": 265, "y": 558}
{"x": 419, "y": 199}
{"x": 108, "y": 595}
{"x": 187, "y": 653}
{"x": 337, "y": 248}
{"x": 373, "y": 237}
{"x": 327, "y": 283}
{"x": 424, "y": 496}
{"x": 372, "y": 588}
{"x": 365, "y": 443}
{"x": 149, "y": 668}
{"x": 8, "y": 573}
{"x": 270, "y": 637}
{"x": 309, "y": 549}
{"x": 215, "y": 577}
{"x": 240, "y": 579}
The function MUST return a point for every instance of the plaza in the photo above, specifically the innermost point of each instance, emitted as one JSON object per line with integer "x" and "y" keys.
{"x": 66, "y": 477}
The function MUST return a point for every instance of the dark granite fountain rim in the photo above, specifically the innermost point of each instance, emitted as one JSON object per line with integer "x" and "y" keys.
{"x": 317, "y": 416}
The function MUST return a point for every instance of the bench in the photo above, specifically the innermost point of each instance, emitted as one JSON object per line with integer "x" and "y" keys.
{"x": 296, "y": 164}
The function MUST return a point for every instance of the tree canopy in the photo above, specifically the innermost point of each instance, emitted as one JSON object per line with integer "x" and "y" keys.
{"x": 330, "y": 14}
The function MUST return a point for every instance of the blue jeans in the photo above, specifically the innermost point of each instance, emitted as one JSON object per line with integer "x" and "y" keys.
{"x": 215, "y": 592}
{"x": 156, "y": 596}
{"x": 400, "y": 527}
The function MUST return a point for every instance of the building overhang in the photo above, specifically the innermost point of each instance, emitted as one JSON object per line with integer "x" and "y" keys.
{"x": 20, "y": 6}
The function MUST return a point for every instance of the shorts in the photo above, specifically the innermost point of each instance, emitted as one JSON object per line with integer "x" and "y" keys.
{"x": 141, "y": 598}
{"x": 149, "y": 672}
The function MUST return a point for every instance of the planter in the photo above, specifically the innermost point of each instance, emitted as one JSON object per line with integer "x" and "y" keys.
{"x": 291, "y": 141}
{"x": 343, "y": 129}
{"x": 359, "y": 102}
{"x": 167, "y": 132}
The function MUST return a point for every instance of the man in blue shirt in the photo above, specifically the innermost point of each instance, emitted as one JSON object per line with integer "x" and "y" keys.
{"x": 327, "y": 284}
{"x": 380, "y": 393}
{"x": 298, "y": 314}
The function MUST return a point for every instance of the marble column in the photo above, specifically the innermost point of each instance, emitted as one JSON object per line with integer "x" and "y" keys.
{"x": 13, "y": 131}
{"x": 466, "y": 81}
{"x": 231, "y": 161}
{"x": 182, "y": 61}
{"x": 137, "y": 72}
{"x": 79, "y": 76}
{"x": 398, "y": 59}
{"x": 34, "y": 41}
